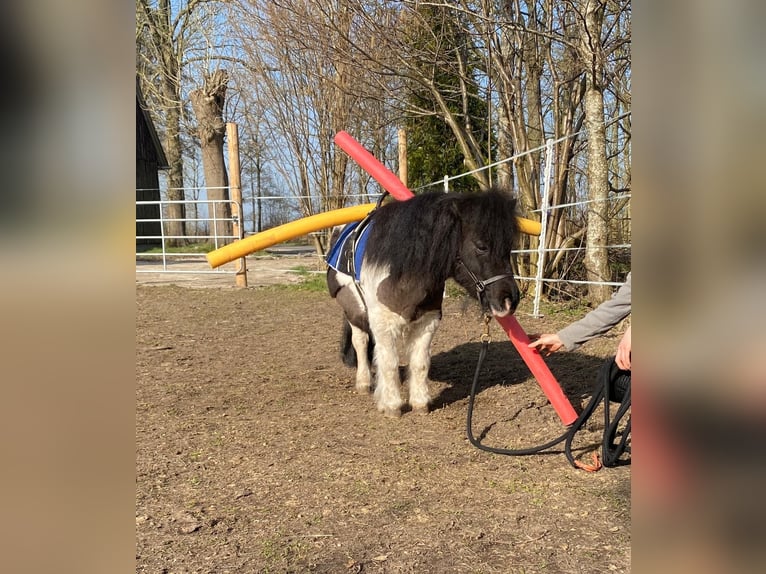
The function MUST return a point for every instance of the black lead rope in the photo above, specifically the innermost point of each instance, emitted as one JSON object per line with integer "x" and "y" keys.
{"x": 614, "y": 385}
{"x": 469, "y": 430}
{"x": 480, "y": 287}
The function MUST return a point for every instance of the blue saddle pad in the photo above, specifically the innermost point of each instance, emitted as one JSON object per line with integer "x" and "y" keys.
{"x": 349, "y": 248}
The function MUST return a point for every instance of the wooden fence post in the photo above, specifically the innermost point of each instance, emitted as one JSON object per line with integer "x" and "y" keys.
{"x": 235, "y": 195}
{"x": 402, "y": 140}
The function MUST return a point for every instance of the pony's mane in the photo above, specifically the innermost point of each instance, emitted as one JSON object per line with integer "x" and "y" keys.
{"x": 494, "y": 212}
{"x": 432, "y": 224}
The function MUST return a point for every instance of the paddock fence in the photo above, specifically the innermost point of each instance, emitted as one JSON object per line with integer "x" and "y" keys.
{"x": 157, "y": 244}
{"x": 156, "y": 251}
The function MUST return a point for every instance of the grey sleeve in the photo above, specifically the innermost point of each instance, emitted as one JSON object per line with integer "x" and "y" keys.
{"x": 598, "y": 321}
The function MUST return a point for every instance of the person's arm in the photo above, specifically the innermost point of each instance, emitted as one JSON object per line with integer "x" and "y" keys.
{"x": 595, "y": 323}
{"x": 598, "y": 321}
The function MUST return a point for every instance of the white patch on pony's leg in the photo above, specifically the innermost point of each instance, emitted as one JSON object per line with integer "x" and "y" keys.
{"x": 353, "y": 305}
{"x": 419, "y": 348}
{"x": 361, "y": 340}
{"x": 386, "y": 327}
{"x": 387, "y": 393}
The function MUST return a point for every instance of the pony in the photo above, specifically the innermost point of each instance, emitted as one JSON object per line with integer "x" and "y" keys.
{"x": 388, "y": 275}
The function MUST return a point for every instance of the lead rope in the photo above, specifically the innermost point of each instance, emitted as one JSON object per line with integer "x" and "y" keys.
{"x": 485, "y": 340}
{"x": 609, "y": 376}
{"x": 611, "y": 451}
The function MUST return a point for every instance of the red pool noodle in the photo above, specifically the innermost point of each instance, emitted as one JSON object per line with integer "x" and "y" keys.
{"x": 539, "y": 369}
{"x": 510, "y": 325}
{"x": 377, "y": 170}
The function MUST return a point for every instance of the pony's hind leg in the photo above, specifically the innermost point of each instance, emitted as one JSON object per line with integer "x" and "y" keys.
{"x": 419, "y": 339}
{"x": 361, "y": 340}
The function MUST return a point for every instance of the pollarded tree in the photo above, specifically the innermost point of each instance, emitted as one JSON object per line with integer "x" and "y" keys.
{"x": 168, "y": 35}
{"x": 208, "y": 102}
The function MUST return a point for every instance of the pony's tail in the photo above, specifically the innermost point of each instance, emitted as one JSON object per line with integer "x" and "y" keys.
{"x": 347, "y": 351}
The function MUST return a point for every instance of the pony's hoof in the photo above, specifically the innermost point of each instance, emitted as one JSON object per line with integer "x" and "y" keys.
{"x": 392, "y": 413}
{"x": 363, "y": 389}
{"x": 421, "y": 409}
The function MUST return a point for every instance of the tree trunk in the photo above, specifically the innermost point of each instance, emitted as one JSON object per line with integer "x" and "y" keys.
{"x": 504, "y": 149}
{"x": 596, "y": 257}
{"x": 340, "y": 107}
{"x": 208, "y": 104}
{"x": 172, "y": 143}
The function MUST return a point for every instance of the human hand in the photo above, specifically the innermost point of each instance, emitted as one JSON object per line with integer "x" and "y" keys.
{"x": 548, "y": 342}
{"x": 623, "y": 352}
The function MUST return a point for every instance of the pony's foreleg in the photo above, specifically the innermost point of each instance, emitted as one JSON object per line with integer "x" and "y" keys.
{"x": 360, "y": 339}
{"x": 419, "y": 348}
{"x": 387, "y": 395}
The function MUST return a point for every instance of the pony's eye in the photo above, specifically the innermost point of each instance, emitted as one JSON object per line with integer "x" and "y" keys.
{"x": 481, "y": 248}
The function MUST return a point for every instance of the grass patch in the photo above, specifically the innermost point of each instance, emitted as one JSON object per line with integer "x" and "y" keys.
{"x": 206, "y": 247}
{"x": 279, "y": 549}
{"x": 453, "y": 289}
{"x": 570, "y": 311}
{"x": 311, "y": 280}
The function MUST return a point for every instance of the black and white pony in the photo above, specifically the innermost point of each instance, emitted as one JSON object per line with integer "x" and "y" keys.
{"x": 391, "y": 286}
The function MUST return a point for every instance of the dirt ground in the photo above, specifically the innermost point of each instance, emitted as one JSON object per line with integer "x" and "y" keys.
{"x": 255, "y": 454}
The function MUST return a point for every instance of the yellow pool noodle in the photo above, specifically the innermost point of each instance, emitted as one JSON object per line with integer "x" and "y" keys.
{"x": 306, "y": 225}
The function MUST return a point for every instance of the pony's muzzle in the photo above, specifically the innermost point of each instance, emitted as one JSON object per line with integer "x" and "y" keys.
{"x": 508, "y": 308}
{"x": 502, "y": 297}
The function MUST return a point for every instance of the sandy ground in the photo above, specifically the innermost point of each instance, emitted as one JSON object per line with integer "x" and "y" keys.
{"x": 254, "y": 454}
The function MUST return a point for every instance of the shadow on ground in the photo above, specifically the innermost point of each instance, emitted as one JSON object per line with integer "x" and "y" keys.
{"x": 504, "y": 366}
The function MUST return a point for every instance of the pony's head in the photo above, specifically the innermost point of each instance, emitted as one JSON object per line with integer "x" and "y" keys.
{"x": 488, "y": 232}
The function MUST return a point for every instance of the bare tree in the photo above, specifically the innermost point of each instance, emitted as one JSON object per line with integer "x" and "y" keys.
{"x": 419, "y": 66}
{"x": 297, "y": 54}
{"x": 253, "y": 152}
{"x": 532, "y": 78}
{"x": 154, "y": 31}
{"x": 591, "y": 53}
{"x": 168, "y": 35}
{"x": 352, "y": 64}
{"x": 208, "y": 102}
{"x": 550, "y": 65}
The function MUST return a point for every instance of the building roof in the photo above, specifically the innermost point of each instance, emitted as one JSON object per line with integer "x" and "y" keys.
{"x": 162, "y": 160}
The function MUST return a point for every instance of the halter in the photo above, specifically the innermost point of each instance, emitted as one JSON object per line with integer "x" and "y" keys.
{"x": 482, "y": 284}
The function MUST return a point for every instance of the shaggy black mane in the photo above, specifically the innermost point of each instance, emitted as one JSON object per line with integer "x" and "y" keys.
{"x": 433, "y": 225}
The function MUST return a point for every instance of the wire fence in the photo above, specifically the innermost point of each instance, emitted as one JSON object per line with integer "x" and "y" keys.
{"x": 204, "y": 228}
{"x": 155, "y": 251}
{"x": 158, "y": 232}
